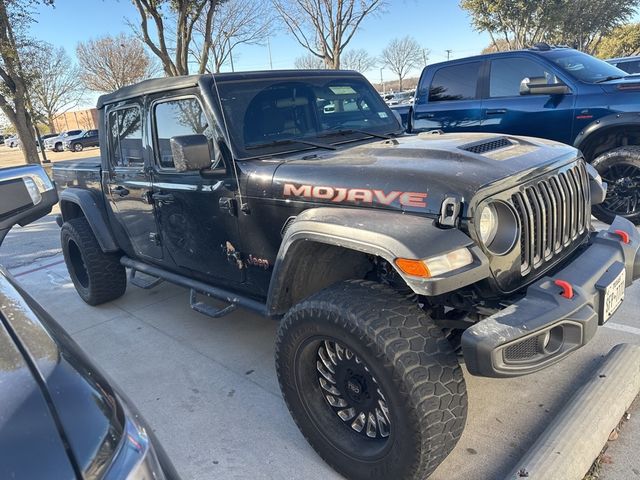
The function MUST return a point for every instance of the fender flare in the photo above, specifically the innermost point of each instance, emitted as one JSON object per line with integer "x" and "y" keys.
{"x": 386, "y": 234}
{"x": 93, "y": 211}
{"x": 603, "y": 123}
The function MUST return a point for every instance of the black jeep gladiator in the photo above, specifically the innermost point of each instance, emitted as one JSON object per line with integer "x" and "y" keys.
{"x": 386, "y": 257}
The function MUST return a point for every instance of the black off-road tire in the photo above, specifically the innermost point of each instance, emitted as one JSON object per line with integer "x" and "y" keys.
{"x": 98, "y": 277}
{"x": 411, "y": 362}
{"x": 618, "y": 161}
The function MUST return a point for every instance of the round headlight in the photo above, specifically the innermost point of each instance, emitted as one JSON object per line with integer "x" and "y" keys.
{"x": 488, "y": 224}
{"x": 498, "y": 228}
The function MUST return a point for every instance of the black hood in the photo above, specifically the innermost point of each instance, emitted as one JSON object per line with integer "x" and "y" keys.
{"x": 431, "y": 166}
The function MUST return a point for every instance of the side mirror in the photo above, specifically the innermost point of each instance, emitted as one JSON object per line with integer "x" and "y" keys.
{"x": 26, "y": 194}
{"x": 539, "y": 86}
{"x": 190, "y": 153}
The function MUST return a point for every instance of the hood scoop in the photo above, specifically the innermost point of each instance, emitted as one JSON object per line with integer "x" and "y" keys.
{"x": 485, "y": 146}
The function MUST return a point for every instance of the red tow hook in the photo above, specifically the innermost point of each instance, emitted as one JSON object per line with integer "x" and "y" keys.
{"x": 624, "y": 236}
{"x": 567, "y": 289}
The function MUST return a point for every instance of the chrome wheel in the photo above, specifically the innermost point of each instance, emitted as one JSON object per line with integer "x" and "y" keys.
{"x": 351, "y": 390}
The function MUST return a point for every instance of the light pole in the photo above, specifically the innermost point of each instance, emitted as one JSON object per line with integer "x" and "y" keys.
{"x": 269, "y": 47}
{"x": 226, "y": 34}
{"x": 449, "y": 52}
{"x": 381, "y": 81}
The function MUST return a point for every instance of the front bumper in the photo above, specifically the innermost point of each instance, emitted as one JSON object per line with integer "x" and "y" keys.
{"x": 544, "y": 327}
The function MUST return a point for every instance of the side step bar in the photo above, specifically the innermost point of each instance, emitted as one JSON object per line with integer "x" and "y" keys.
{"x": 234, "y": 300}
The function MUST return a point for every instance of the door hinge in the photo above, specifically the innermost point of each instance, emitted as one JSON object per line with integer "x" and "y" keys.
{"x": 155, "y": 238}
{"x": 230, "y": 205}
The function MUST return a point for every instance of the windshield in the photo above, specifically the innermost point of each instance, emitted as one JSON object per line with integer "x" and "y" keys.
{"x": 271, "y": 116}
{"x": 584, "y": 67}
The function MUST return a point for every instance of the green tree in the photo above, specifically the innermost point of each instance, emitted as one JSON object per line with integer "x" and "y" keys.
{"x": 15, "y": 16}
{"x": 624, "y": 41}
{"x": 521, "y": 23}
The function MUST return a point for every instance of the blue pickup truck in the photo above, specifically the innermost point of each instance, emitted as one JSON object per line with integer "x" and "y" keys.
{"x": 548, "y": 92}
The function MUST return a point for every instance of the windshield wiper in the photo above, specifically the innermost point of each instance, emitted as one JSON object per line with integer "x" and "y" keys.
{"x": 348, "y": 131}
{"x": 290, "y": 141}
{"x": 609, "y": 78}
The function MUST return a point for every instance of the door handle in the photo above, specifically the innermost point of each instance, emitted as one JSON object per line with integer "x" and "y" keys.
{"x": 429, "y": 115}
{"x": 163, "y": 197}
{"x": 497, "y": 111}
{"x": 121, "y": 191}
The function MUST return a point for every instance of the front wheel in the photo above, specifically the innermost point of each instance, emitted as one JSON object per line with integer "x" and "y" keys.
{"x": 77, "y": 147}
{"x": 371, "y": 381}
{"x": 58, "y": 147}
{"x": 620, "y": 168}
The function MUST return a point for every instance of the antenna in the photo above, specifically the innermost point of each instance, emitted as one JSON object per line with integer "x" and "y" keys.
{"x": 226, "y": 130}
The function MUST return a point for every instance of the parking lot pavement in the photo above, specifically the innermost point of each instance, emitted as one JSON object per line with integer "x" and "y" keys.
{"x": 208, "y": 386}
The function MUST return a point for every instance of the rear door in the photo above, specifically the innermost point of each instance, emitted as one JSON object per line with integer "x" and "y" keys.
{"x": 506, "y": 111}
{"x": 128, "y": 183}
{"x": 450, "y": 99}
{"x": 197, "y": 213}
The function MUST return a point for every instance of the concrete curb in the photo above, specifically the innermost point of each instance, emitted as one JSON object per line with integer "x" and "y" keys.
{"x": 575, "y": 437}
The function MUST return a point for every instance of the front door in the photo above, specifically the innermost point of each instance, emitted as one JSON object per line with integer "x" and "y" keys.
{"x": 451, "y": 103}
{"x": 127, "y": 183}
{"x": 197, "y": 212}
{"x": 506, "y": 111}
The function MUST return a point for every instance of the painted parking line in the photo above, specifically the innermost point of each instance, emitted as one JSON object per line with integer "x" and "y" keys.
{"x": 623, "y": 328}
{"x": 41, "y": 267}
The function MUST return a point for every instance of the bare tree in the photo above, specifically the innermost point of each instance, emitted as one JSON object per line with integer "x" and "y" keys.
{"x": 15, "y": 15}
{"x": 234, "y": 23}
{"x": 109, "y": 63}
{"x": 309, "y": 62}
{"x": 402, "y": 55}
{"x": 56, "y": 85}
{"x": 325, "y": 27}
{"x": 358, "y": 60}
{"x": 172, "y": 38}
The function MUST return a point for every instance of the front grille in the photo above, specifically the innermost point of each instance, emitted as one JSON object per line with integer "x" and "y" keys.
{"x": 553, "y": 213}
{"x": 485, "y": 147}
{"x": 522, "y": 350}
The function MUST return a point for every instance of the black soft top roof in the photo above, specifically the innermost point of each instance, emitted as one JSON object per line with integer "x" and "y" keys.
{"x": 155, "y": 85}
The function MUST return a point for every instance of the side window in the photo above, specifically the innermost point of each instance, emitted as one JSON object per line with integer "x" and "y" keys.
{"x": 174, "y": 118}
{"x": 125, "y": 137}
{"x": 458, "y": 82}
{"x": 507, "y": 73}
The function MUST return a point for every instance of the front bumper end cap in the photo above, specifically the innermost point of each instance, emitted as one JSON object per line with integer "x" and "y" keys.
{"x": 544, "y": 326}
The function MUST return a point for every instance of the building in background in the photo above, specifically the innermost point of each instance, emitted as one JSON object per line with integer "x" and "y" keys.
{"x": 80, "y": 119}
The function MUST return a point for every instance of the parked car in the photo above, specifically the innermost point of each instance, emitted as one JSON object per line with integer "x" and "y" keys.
{"x": 56, "y": 143}
{"x": 382, "y": 255}
{"x": 2, "y": 138}
{"x": 628, "y": 64}
{"x": 401, "y": 98}
{"x": 79, "y": 142}
{"x": 12, "y": 142}
{"x": 45, "y": 137}
{"x": 554, "y": 93}
{"x": 60, "y": 417}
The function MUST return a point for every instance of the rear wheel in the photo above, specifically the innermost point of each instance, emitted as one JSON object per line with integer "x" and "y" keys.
{"x": 620, "y": 168}
{"x": 371, "y": 381}
{"x": 58, "y": 147}
{"x": 98, "y": 277}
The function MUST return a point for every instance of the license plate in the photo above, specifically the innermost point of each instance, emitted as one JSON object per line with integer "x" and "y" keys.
{"x": 612, "y": 297}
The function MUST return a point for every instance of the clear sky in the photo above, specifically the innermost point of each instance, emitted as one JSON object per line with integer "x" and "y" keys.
{"x": 437, "y": 25}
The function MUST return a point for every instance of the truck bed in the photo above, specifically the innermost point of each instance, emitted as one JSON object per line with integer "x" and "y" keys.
{"x": 83, "y": 173}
